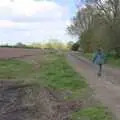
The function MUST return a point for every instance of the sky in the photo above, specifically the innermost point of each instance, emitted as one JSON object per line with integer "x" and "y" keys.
{"x": 30, "y": 21}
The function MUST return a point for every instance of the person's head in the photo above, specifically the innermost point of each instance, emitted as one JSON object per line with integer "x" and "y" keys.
{"x": 99, "y": 50}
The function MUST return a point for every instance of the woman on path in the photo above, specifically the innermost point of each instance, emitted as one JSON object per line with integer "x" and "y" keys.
{"x": 99, "y": 60}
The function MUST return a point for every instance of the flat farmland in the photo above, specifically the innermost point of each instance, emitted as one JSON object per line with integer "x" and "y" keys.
{"x": 6, "y": 53}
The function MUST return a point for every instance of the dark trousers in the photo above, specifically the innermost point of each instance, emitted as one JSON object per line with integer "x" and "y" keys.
{"x": 100, "y": 70}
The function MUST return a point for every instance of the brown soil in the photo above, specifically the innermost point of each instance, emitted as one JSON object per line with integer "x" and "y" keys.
{"x": 10, "y": 101}
{"x": 7, "y": 53}
{"x": 21, "y": 102}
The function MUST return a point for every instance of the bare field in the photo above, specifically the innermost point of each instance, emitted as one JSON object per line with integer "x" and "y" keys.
{"x": 7, "y": 53}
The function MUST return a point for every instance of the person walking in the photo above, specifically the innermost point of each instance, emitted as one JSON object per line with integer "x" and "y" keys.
{"x": 99, "y": 59}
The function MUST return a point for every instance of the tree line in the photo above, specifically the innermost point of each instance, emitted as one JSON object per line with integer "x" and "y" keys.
{"x": 97, "y": 25}
{"x": 51, "y": 44}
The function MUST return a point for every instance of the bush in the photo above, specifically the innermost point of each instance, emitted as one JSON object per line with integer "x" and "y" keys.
{"x": 20, "y": 45}
{"x": 75, "y": 47}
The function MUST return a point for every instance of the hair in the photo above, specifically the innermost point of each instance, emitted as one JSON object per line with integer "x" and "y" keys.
{"x": 99, "y": 50}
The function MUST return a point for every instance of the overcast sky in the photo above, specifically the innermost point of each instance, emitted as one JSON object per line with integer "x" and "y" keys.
{"x": 31, "y": 21}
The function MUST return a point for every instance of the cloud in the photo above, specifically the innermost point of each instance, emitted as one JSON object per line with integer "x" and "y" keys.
{"x": 6, "y": 24}
{"x": 30, "y": 10}
{"x": 32, "y": 21}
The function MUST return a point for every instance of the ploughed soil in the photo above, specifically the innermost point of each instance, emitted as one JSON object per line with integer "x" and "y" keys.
{"x": 8, "y": 53}
{"x": 21, "y": 102}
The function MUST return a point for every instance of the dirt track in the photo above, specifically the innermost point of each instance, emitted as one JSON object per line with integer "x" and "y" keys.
{"x": 107, "y": 88}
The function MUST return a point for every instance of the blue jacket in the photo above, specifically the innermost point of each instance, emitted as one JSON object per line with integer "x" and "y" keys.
{"x": 99, "y": 58}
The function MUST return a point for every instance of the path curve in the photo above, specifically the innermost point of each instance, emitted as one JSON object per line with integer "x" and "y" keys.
{"x": 107, "y": 88}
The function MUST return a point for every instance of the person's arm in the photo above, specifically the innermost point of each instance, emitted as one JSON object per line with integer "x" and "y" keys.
{"x": 94, "y": 57}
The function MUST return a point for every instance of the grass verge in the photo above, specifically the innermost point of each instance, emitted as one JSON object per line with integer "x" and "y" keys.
{"x": 14, "y": 69}
{"x": 110, "y": 60}
{"x": 92, "y": 113}
{"x": 115, "y": 62}
{"x": 88, "y": 56}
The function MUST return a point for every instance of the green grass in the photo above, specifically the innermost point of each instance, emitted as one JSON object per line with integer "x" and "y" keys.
{"x": 54, "y": 72}
{"x": 14, "y": 69}
{"x": 58, "y": 74}
{"x": 92, "y": 113}
{"x": 88, "y": 56}
{"x": 115, "y": 62}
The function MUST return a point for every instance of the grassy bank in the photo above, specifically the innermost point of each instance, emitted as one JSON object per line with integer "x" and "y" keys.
{"x": 113, "y": 61}
{"x": 92, "y": 113}
{"x": 109, "y": 59}
{"x": 54, "y": 72}
{"x": 88, "y": 56}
